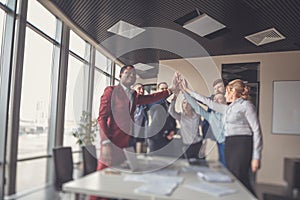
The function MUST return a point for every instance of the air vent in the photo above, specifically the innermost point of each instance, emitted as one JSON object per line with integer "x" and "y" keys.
{"x": 265, "y": 37}
{"x": 203, "y": 25}
{"x": 142, "y": 66}
{"x": 125, "y": 29}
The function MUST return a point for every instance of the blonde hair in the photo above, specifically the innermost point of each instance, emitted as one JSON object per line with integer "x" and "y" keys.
{"x": 242, "y": 90}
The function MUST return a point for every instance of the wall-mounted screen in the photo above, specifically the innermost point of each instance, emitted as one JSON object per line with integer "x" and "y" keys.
{"x": 286, "y": 107}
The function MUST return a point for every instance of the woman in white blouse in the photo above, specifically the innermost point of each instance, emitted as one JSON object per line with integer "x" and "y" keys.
{"x": 189, "y": 127}
{"x": 243, "y": 143}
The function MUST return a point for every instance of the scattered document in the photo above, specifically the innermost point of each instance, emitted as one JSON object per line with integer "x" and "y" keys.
{"x": 157, "y": 188}
{"x": 210, "y": 188}
{"x": 154, "y": 183}
{"x": 194, "y": 168}
{"x": 153, "y": 178}
{"x": 213, "y": 176}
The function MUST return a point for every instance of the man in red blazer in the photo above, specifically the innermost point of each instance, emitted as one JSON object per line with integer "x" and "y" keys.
{"x": 116, "y": 116}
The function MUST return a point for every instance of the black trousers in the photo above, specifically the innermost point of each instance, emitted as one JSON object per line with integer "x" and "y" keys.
{"x": 238, "y": 156}
{"x": 192, "y": 150}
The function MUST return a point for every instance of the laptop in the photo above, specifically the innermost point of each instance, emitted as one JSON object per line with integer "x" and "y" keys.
{"x": 142, "y": 165}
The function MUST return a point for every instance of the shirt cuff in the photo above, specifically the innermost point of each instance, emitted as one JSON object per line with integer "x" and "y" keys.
{"x": 256, "y": 155}
{"x": 104, "y": 142}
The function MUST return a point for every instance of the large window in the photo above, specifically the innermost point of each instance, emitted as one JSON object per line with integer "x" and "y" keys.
{"x": 77, "y": 87}
{"x": 1, "y": 33}
{"x": 100, "y": 82}
{"x": 35, "y": 99}
{"x": 102, "y": 62}
{"x": 78, "y": 45}
{"x": 2, "y": 15}
{"x": 117, "y": 71}
{"x": 34, "y": 111}
{"x": 41, "y": 18}
{"x": 31, "y": 174}
{"x": 3, "y": 101}
{"x": 35, "y": 95}
{"x": 75, "y": 99}
{"x": 102, "y": 79}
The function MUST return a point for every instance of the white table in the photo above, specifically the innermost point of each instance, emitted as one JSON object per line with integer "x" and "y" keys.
{"x": 109, "y": 183}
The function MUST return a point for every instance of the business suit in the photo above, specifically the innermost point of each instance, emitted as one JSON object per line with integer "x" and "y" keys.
{"x": 116, "y": 117}
{"x": 162, "y": 124}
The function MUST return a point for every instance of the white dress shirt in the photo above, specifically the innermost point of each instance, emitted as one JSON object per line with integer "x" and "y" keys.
{"x": 239, "y": 118}
{"x": 189, "y": 126}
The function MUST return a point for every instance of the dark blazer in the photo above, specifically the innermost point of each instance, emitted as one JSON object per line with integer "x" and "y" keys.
{"x": 116, "y": 116}
{"x": 162, "y": 124}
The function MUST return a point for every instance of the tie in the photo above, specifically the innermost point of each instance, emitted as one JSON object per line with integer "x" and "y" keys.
{"x": 130, "y": 97}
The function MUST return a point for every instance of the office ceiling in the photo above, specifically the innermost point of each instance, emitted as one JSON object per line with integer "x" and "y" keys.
{"x": 165, "y": 38}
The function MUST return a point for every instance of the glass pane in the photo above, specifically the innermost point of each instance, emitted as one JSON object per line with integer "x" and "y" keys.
{"x": 31, "y": 174}
{"x": 117, "y": 71}
{"x": 3, "y": 1}
{"x": 77, "y": 44}
{"x": 75, "y": 99}
{"x": 103, "y": 62}
{"x": 100, "y": 83}
{"x": 2, "y": 16}
{"x": 34, "y": 111}
{"x": 41, "y": 18}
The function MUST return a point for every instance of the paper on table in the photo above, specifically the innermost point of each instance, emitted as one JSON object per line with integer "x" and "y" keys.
{"x": 155, "y": 183}
{"x": 153, "y": 178}
{"x": 194, "y": 168}
{"x": 215, "y": 176}
{"x": 210, "y": 188}
{"x": 157, "y": 188}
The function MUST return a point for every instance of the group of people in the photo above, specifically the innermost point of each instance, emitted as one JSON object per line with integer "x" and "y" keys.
{"x": 232, "y": 119}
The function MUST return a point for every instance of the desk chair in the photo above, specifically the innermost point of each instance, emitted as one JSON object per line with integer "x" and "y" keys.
{"x": 63, "y": 166}
{"x": 292, "y": 175}
{"x": 89, "y": 158}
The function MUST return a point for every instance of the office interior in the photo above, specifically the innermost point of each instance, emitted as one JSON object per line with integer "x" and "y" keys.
{"x": 57, "y": 57}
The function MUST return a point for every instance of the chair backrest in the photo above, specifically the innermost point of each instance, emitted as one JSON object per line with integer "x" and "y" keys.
{"x": 63, "y": 166}
{"x": 292, "y": 172}
{"x": 89, "y": 158}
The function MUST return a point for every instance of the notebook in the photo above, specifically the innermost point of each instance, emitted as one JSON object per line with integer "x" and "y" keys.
{"x": 141, "y": 165}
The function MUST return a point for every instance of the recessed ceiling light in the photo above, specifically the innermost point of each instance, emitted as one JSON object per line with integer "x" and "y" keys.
{"x": 143, "y": 67}
{"x": 203, "y": 25}
{"x": 125, "y": 29}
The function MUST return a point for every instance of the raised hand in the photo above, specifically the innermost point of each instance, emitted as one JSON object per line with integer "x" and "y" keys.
{"x": 175, "y": 84}
{"x": 184, "y": 86}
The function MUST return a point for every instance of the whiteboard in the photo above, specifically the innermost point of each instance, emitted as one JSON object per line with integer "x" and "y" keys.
{"x": 286, "y": 107}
